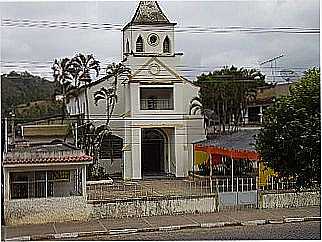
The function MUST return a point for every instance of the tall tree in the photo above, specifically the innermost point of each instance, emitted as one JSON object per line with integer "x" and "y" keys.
{"x": 227, "y": 92}
{"x": 82, "y": 66}
{"x": 197, "y": 107}
{"x": 113, "y": 71}
{"x": 62, "y": 75}
{"x": 290, "y": 140}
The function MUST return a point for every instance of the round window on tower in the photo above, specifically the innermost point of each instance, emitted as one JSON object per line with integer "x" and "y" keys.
{"x": 153, "y": 39}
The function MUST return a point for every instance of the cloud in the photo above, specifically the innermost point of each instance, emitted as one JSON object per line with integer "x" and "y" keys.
{"x": 199, "y": 49}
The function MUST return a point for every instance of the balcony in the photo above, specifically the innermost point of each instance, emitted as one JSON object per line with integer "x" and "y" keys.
{"x": 156, "y": 98}
{"x": 156, "y": 104}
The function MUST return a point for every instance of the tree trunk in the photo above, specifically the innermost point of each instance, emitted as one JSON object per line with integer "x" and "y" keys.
{"x": 87, "y": 109}
{"x": 219, "y": 118}
{"x": 64, "y": 105}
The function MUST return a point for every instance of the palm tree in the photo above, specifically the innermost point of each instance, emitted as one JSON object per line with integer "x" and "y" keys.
{"x": 196, "y": 106}
{"x": 109, "y": 95}
{"x": 115, "y": 70}
{"x": 63, "y": 75}
{"x": 82, "y": 66}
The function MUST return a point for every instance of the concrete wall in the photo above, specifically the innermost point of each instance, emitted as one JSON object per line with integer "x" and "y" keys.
{"x": 46, "y": 210}
{"x": 154, "y": 207}
{"x": 289, "y": 199}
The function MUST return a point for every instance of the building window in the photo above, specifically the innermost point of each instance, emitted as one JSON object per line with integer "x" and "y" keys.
{"x": 160, "y": 98}
{"x": 166, "y": 45}
{"x": 37, "y": 184}
{"x": 111, "y": 147}
{"x": 139, "y": 44}
{"x": 127, "y": 46}
{"x": 253, "y": 114}
{"x": 153, "y": 39}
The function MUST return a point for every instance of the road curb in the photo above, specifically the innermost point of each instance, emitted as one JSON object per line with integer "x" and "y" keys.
{"x": 169, "y": 228}
{"x": 22, "y": 238}
{"x": 255, "y": 222}
{"x": 150, "y": 229}
{"x": 190, "y": 226}
{"x": 66, "y": 235}
{"x": 273, "y": 221}
{"x": 312, "y": 219}
{"x": 213, "y": 225}
{"x": 92, "y": 233}
{"x": 293, "y": 220}
{"x": 162, "y": 228}
{"x": 122, "y": 231}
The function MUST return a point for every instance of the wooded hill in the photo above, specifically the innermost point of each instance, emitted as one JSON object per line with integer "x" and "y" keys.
{"x": 24, "y": 88}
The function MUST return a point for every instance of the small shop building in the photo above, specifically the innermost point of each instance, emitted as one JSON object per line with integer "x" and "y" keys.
{"x": 44, "y": 182}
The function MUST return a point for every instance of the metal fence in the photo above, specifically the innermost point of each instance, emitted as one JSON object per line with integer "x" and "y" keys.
{"x": 238, "y": 184}
{"x": 184, "y": 188}
{"x": 277, "y": 184}
{"x": 280, "y": 184}
{"x": 166, "y": 188}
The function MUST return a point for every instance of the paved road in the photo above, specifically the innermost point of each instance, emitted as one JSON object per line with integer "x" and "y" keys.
{"x": 291, "y": 231}
{"x": 157, "y": 223}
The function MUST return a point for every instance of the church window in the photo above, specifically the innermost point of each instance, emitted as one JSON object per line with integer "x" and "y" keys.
{"x": 127, "y": 46}
{"x": 139, "y": 44}
{"x": 166, "y": 45}
{"x": 153, "y": 39}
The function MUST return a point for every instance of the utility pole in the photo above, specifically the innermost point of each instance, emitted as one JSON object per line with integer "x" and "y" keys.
{"x": 272, "y": 61}
{"x": 13, "y": 126}
{"x": 5, "y": 135}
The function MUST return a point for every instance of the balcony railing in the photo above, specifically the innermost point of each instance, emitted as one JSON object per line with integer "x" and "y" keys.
{"x": 156, "y": 104}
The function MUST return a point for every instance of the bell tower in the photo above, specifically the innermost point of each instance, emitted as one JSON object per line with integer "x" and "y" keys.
{"x": 149, "y": 33}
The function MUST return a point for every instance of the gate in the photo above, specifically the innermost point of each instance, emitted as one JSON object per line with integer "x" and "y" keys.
{"x": 237, "y": 192}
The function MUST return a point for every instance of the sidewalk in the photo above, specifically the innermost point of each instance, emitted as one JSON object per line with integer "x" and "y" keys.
{"x": 157, "y": 223}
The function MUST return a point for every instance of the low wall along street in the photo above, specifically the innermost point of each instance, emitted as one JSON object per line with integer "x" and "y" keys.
{"x": 47, "y": 210}
{"x": 156, "y": 206}
{"x": 289, "y": 199}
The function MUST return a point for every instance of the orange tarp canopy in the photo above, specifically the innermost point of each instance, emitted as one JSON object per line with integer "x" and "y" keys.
{"x": 233, "y": 153}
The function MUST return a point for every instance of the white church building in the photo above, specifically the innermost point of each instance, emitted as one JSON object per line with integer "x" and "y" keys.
{"x": 153, "y": 132}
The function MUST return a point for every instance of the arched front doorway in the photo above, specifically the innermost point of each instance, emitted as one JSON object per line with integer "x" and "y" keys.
{"x": 153, "y": 151}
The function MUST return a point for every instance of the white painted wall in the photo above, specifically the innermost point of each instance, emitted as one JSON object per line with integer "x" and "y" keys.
{"x": 133, "y": 32}
{"x": 177, "y": 123}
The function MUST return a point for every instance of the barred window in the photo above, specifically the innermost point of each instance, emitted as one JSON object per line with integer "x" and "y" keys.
{"x": 111, "y": 147}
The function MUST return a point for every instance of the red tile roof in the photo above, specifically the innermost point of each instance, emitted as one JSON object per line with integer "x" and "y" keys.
{"x": 10, "y": 160}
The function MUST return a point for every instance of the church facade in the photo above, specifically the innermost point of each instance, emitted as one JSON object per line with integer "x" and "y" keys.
{"x": 152, "y": 128}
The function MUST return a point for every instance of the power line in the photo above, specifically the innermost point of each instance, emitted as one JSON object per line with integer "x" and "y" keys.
{"x": 189, "y": 29}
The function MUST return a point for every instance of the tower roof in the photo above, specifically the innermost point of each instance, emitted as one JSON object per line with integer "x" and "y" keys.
{"x": 148, "y": 12}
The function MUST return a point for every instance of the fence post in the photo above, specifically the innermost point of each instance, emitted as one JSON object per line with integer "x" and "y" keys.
{"x": 201, "y": 187}
{"x": 256, "y": 180}
{"x": 227, "y": 185}
{"x": 237, "y": 184}
{"x": 232, "y": 174}
{"x": 251, "y": 183}
{"x": 242, "y": 184}
{"x": 217, "y": 185}
{"x": 278, "y": 181}
{"x": 210, "y": 173}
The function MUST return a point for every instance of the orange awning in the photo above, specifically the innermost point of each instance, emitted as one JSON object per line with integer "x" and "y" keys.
{"x": 233, "y": 153}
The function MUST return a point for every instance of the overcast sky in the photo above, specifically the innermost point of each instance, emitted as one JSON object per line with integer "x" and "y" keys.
{"x": 207, "y": 50}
